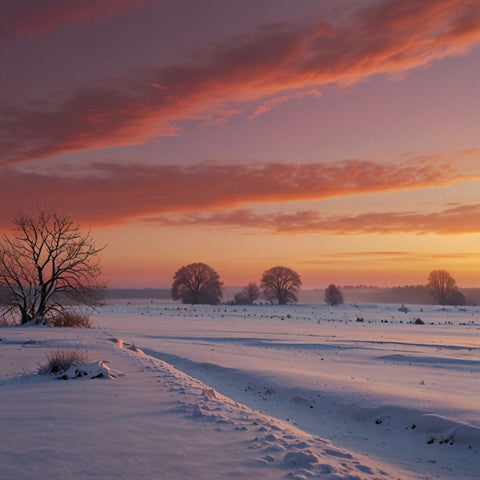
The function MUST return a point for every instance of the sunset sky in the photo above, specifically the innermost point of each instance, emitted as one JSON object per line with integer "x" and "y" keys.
{"x": 338, "y": 138}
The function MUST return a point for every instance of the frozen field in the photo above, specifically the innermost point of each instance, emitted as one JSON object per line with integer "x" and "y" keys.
{"x": 308, "y": 391}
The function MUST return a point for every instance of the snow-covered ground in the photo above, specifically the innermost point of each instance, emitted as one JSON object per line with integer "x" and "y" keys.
{"x": 298, "y": 392}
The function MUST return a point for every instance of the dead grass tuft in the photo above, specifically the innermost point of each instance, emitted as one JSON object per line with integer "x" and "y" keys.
{"x": 70, "y": 320}
{"x": 61, "y": 360}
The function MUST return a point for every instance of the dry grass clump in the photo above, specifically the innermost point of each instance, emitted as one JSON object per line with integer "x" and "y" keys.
{"x": 59, "y": 361}
{"x": 70, "y": 320}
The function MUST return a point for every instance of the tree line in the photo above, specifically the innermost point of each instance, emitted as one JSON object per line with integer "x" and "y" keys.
{"x": 199, "y": 283}
{"x": 48, "y": 266}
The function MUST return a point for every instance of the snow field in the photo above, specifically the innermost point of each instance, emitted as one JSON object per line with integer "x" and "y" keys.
{"x": 267, "y": 392}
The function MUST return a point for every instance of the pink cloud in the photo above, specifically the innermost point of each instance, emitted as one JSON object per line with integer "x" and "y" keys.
{"x": 108, "y": 193}
{"x": 273, "y": 61}
{"x": 270, "y": 103}
{"x": 43, "y": 17}
{"x": 461, "y": 220}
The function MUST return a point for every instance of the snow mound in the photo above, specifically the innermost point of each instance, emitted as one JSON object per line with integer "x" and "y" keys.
{"x": 443, "y": 430}
{"x": 129, "y": 346}
{"x": 97, "y": 369}
{"x": 117, "y": 341}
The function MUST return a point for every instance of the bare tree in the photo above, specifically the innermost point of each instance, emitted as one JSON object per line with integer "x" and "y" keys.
{"x": 333, "y": 295}
{"x": 197, "y": 283}
{"x": 247, "y": 295}
{"x": 281, "y": 284}
{"x": 44, "y": 263}
{"x": 441, "y": 285}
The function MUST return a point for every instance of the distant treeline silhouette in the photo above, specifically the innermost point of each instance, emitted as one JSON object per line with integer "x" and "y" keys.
{"x": 408, "y": 294}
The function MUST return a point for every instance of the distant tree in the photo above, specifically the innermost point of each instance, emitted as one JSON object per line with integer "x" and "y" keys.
{"x": 240, "y": 299}
{"x": 333, "y": 295}
{"x": 441, "y": 285}
{"x": 457, "y": 298}
{"x": 281, "y": 284}
{"x": 197, "y": 283}
{"x": 44, "y": 263}
{"x": 247, "y": 295}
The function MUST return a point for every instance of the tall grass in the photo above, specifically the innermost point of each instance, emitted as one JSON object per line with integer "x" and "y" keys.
{"x": 69, "y": 319}
{"x": 61, "y": 360}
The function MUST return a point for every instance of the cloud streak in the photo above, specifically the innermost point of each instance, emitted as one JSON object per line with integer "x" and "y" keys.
{"x": 461, "y": 220}
{"x": 386, "y": 258}
{"x": 255, "y": 70}
{"x": 107, "y": 193}
{"x": 32, "y": 18}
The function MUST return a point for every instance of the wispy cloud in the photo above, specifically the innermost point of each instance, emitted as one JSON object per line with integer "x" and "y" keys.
{"x": 401, "y": 256}
{"x": 460, "y": 220}
{"x": 30, "y": 18}
{"x": 405, "y": 255}
{"x": 275, "y": 60}
{"x": 111, "y": 193}
{"x": 423, "y": 260}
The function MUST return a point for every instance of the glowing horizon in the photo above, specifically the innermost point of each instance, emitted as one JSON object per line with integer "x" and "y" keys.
{"x": 338, "y": 140}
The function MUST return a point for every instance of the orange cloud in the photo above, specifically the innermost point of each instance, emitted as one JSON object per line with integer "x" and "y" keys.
{"x": 276, "y": 60}
{"x": 107, "y": 193}
{"x": 387, "y": 260}
{"x": 403, "y": 256}
{"x": 31, "y": 18}
{"x": 460, "y": 220}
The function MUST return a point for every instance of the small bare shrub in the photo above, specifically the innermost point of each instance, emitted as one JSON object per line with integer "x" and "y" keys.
{"x": 59, "y": 361}
{"x": 70, "y": 320}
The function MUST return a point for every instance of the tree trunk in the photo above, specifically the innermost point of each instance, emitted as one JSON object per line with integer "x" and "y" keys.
{"x": 25, "y": 317}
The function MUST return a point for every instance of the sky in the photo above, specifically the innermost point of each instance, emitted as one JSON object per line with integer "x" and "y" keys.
{"x": 340, "y": 139}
